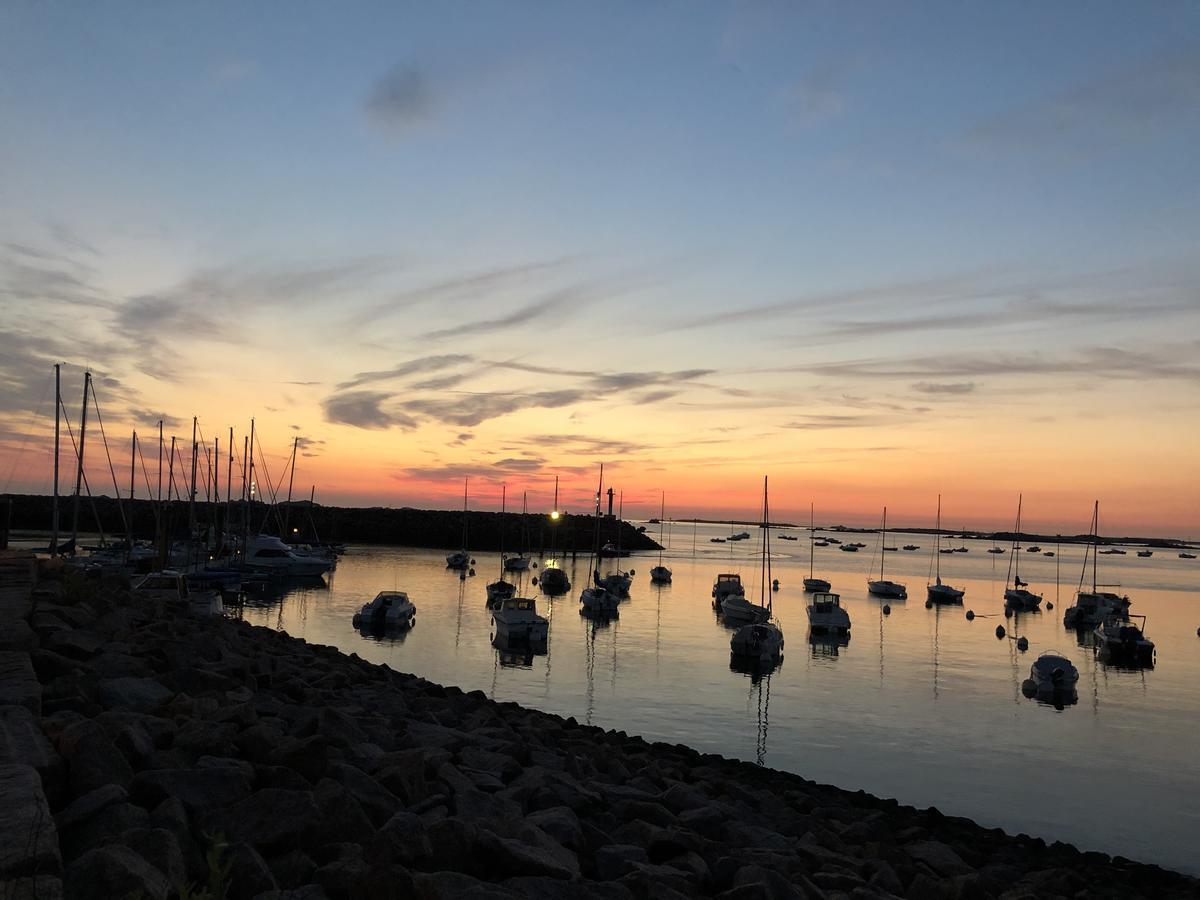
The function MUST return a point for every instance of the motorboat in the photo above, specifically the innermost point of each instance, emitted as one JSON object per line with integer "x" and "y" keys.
{"x": 1048, "y": 553}
{"x": 832, "y": 540}
{"x": 891, "y": 549}
{"x": 170, "y": 586}
{"x": 597, "y": 600}
{"x": 788, "y": 537}
{"x": 660, "y": 575}
{"x": 266, "y": 553}
{"x": 716, "y": 540}
{"x": 1034, "y": 549}
{"x": 995, "y": 550}
{"x": 1053, "y": 672}
{"x": 1123, "y": 642}
{"x": 821, "y": 544}
{"x": 612, "y": 551}
{"x": 617, "y": 583}
{"x": 1112, "y": 551}
{"x": 938, "y": 592}
{"x": 1145, "y": 554}
{"x": 1095, "y": 607}
{"x": 554, "y": 580}
{"x": 740, "y": 536}
{"x": 1015, "y": 594}
{"x": 759, "y": 642}
{"x": 726, "y": 585}
{"x": 827, "y": 616}
{"x": 911, "y": 547}
{"x": 1187, "y": 555}
{"x": 519, "y": 563}
{"x": 389, "y": 609}
{"x": 812, "y": 583}
{"x": 849, "y": 548}
{"x": 516, "y": 618}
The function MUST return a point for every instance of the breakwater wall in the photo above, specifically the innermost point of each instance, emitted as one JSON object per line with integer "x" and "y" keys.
{"x": 145, "y": 752}
{"x": 434, "y": 528}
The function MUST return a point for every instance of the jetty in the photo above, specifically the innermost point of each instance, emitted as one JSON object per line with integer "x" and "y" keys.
{"x": 146, "y": 752}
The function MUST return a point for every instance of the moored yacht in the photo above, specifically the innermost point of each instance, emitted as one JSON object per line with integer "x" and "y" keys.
{"x": 881, "y": 587}
{"x": 1095, "y": 607}
{"x": 727, "y": 584}
{"x": 812, "y": 583}
{"x": 389, "y": 609}
{"x": 938, "y": 592}
{"x": 1125, "y": 643}
{"x": 827, "y": 616}
{"x": 554, "y": 580}
{"x": 1016, "y": 595}
{"x": 517, "y": 618}
{"x": 760, "y": 642}
{"x": 660, "y": 574}
{"x": 266, "y": 553}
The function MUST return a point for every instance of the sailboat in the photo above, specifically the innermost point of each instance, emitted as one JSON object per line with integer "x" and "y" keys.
{"x": 520, "y": 562}
{"x": 882, "y": 587}
{"x": 461, "y": 559}
{"x": 730, "y": 597}
{"x": 596, "y": 599}
{"x": 811, "y": 583}
{"x": 1094, "y": 607}
{"x": 1016, "y": 596}
{"x": 762, "y": 639}
{"x": 938, "y": 592}
{"x": 619, "y": 582}
{"x": 500, "y": 589}
{"x": 660, "y": 574}
{"x": 553, "y": 579}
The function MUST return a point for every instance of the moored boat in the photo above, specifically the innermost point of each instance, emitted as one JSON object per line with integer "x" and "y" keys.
{"x": 516, "y": 618}
{"x": 881, "y": 587}
{"x": 1125, "y": 643}
{"x": 389, "y": 609}
{"x": 826, "y": 615}
{"x": 1016, "y": 595}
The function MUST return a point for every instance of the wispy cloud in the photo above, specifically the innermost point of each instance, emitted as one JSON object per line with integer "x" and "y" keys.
{"x": 943, "y": 387}
{"x": 401, "y": 370}
{"x": 467, "y": 410}
{"x": 364, "y": 409}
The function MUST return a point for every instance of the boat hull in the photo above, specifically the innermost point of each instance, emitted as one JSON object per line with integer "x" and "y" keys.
{"x": 812, "y": 585}
{"x": 887, "y": 589}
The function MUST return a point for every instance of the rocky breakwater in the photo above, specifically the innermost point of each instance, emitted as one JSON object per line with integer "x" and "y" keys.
{"x": 149, "y": 754}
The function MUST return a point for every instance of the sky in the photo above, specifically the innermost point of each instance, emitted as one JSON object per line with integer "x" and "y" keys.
{"x": 875, "y": 252}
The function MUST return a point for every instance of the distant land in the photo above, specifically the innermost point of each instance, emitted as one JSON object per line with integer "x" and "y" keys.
{"x": 305, "y": 522}
{"x": 440, "y": 528}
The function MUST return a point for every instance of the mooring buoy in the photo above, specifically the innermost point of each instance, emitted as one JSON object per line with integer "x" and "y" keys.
{"x": 999, "y": 631}
{"x": 970, "y": 615}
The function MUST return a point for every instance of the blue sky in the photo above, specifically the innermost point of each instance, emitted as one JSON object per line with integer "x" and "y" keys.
{"x": 816, "y": 204}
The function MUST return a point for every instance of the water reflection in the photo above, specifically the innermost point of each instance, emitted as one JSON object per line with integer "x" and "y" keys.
{"x": 828, "y": 646}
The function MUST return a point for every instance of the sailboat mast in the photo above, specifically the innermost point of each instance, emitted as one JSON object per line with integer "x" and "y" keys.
{"x": 57, "y": 406}
{"x": 216, "y": 496}
{"x": 812, "y": 527}
{"x": 229, "y": 485}
{"x": 287, "y": 513}
{"x": 1016, "y": 540}
{"x": 87, "y": 383}
{"x": 192, "y": 494}
{"x": 132, "y": 461}
{"x": 937, "y": 555}
{"x": 503, "y": 498}
{"x": 249, "y": 486}
{"x": 1096, "y": 541}
{"x": 662, "y": 513}
{"x": 762, "y": 592}
{"x": 882, "y": 543}
{"x": 160, "y": 456}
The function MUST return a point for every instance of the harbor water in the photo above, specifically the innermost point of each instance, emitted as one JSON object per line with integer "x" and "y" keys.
{"x": 920, "y": 705}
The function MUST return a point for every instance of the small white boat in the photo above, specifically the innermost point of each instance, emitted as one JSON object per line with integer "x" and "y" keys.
{"x": 826, "y": 615}
{"x": 554, "y": 580}
{"x": 1125, "y": 643}
{"x": 1054, "y": 672}
{"x": 516, "y": 618}
{"x": 736, "y": 608}
{"x": 389, "y": 609}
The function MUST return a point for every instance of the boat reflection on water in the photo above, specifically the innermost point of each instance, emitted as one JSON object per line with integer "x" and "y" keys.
{"x": 382, "y": 634}
{"x": 1048, "y": 695}
{"x": 517, "y": 654}
{"x": 827, "y": 646}
{"x": 759, "y": 697}
{"x": 755, "y": 667}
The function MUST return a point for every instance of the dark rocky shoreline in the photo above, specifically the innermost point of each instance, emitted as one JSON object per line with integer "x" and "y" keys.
{"x": 145, "y": 753}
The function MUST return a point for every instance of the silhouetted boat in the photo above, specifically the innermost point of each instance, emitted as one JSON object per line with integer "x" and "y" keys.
{"x": 849, "y": 548}
{"x": 389, "y": 609}
{"x": 1145, "y": 554}
{"x": 912, "y": 547}
{"x": 596, "y": 599}
{"x": 516, "y": 619}
{"x": 762, "y": 640}
{"x": 660, "y": 574}
{"x": 938, "y": 592}
{"x": 811, "y": 583}
{"x": 827, "y": 616}
{"x": 461, "y": 560}
{"x": 1095, "y": 606}
{"x": 1015, "y": 596}
{"x": 553, "y": 580}
{"x": 881, "y": 587}
{"x": 1124, "y": 643}
{"x": 1187, "y": 555}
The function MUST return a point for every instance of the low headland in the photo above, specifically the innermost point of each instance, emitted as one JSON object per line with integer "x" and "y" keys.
{"x": 148, "y": 753}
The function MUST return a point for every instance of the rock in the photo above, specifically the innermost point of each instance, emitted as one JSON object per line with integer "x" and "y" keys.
{"x": 198, "y": 789}
{"x": 377, "y": 802}
{"x": 268, "y": 818}
{"x": 457, "y": 886}
{"x": 114, "y": 871}
{"x": 19, "y": 685}
{"x": 38, "y": 887}
{"x": 292, "y": 869}
{"x": 561, "y": 823}
{"x": 309, "y": 757}
{"x": 22, "y": 741}
{"x": 503, "y": 767}
{"x": 102, "y": 827}
{"x": 28, "y": 839}
{"x": 84, "y": 807}
{"x": 92, "y": 759}
{"x": 769, "y": 884}
{"x": 939, "y": 857}
{"x": 249, "y": 874}
{"x": 74, "y": 644}
{"x": 341, "y": 816}
{"x": 616, "y": 860}
{"x": 542, "y": 888}
{"x": 929, "y": 887}
{"x": 404, "y": 838}
{"x": 159, "y": 848}
{"x": 137, "y": 694}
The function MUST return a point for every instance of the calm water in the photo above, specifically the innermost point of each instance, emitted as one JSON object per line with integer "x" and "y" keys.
{"x": 921, "y": 705}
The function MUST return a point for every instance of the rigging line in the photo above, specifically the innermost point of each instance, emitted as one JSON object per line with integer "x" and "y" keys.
{"x": 108, "y": 456}
{"x": 274, "y": 490}
{"x": 149, "y": 490}
{"x": 37, "y": 414}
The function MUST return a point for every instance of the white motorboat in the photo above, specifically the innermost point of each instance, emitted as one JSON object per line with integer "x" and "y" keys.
{"x": 516, "y": 618}
{"x": 389, "y": 609}
{"x": 938, "y": 592}
{"x": 827, "y": 616}
{"x": 727, "y": 584}
{"x": 881, "y": 587}
{"x": 1125, "y": 643}
{"x": 1052, "y": 671}
{"x": 554, "y": 580}
{"x": 266, "y": 553}
{"x": 812, "y": 583}
{"x": 1095, "y": 607}
{"x": 761, "y": 641}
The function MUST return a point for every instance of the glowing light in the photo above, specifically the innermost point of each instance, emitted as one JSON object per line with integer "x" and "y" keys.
{"x": 554, "y": 515}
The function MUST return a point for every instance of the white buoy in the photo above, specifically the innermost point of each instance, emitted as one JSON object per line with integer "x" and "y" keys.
{"x": 1022, "y": 643}
{"x": 887, "y": 611}
{"x": 999, "y": 631}
{"x": 970, "y": 615}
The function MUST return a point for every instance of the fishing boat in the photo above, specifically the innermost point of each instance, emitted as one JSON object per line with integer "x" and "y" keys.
{"x": 726, "y": 585}
{"x": 827, "y": 616}
{"x": 595, "y": 599}
{"x": 461, "y": 559}
{"x": 389, "y": 609}
{"x": 882, "y": 587}
{"x": 517, "y": 619}
{"x": 938, "y": 592}
{"x": 812, "y": 583}
{"x": 1094, "y": 607}
{"x": 1015, "y": 594}
{"x": 1125, "y": 643}
{"x": 660, "y": 574}
{"x": 760, "y": 641}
